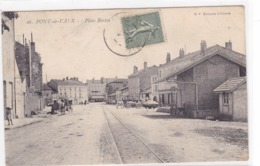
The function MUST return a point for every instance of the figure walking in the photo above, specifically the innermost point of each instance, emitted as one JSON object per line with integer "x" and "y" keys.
{"x": 9, "y": 116}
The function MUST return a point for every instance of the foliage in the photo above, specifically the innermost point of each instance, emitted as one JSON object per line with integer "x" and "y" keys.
{"x": 10, "y": 15}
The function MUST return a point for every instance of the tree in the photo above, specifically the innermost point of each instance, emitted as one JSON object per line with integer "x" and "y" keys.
{"x": 10, "y": 15}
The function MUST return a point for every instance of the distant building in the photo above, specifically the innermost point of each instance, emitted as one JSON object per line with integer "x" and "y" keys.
{"x": 115, "y": 85}
{"x": 97, "y": 89}
{"x": 47, "y": 94}
{"x": 140, "y": 81}
{"x": 154, "y": 88}
{"x": 191, "y": 78}
{"x": 233, "y": 98}
{"x": 70, "y": 89}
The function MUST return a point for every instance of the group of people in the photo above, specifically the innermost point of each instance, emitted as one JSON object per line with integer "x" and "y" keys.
{"x": 64, "y": 105}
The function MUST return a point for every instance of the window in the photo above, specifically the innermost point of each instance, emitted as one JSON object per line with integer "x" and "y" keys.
{"x": 156, "y": 88}
{"x": 225, "y": 98}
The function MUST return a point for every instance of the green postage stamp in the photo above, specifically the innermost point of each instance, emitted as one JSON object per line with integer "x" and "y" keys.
{"x": 141, "y": 30}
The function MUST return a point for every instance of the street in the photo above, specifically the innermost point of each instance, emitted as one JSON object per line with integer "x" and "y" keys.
{"x": 102, "y": 134}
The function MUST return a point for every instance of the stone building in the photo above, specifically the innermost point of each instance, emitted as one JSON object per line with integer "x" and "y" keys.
{"x": 30, "y": 70}
{"x": 154, "y": 88}
{"x": 70, "y": 89}
{"x": 29, "y": 63}
{"x": 97, "y": 89}
{"x": 233, "y": 98}
{"x": 47, "y": 94}
{"x": 13, "y": 85}
{"x": 191, "y": 78}
{"x": 140, "y": 81}
{"x": 113, "y": 86}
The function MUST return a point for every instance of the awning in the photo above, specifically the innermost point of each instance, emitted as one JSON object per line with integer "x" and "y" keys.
{"x": 97, "y": 97}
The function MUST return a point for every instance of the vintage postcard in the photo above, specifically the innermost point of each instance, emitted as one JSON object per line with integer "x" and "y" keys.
{"x": 125, "y": 86}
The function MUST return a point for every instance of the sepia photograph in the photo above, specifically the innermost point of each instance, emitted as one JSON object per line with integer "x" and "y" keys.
{"x": 125, "y": 86}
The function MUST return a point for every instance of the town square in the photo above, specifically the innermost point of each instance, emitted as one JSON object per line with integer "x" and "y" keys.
{"x": 125, "y": 86}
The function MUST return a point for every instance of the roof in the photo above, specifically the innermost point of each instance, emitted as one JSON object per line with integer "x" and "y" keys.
{"x": 94, "y": 81}
{"x": 101, "y": 81}
{"x": 182, "y": 64}
{"x": 68, "y": 82}
{"x": 46, "y": 87}
{"x": 124, "y": 88}
{"x": 142, "y": 70}
{"x": 112, "y": 94}
{"x": 148, "y": 90}
{"x": 119, "y": 80}
{"x": 230, "y": 85}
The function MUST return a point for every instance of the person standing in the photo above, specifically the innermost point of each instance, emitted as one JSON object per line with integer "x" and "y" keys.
{"x": 9, "y": 116}
{"x": 62, "y": 107}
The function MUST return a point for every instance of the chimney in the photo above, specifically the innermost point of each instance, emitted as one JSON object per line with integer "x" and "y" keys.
{"x": 135, "y": 69}
{"x": 32, "y": 43}
{"x": 203, "y": 46}
{"x": 228, "y": 45}
{"x": 23, "y": 39}
{"x": 25, "y": 42}
{"x": 145, "y": 65}
{"x": 181, "y": 52}
{"x": 168, "y": 57}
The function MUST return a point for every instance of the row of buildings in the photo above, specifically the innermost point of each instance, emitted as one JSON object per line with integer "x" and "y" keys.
{"x": 209, "y": 81}
{"x": 22, "y": 71}
{"x": 79, "y": 93}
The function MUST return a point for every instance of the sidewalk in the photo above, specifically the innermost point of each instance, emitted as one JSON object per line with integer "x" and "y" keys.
{"x": 22, "y": 122}
{"x": 27, "y": 121}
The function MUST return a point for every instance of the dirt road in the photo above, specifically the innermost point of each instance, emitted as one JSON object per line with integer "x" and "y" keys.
{"x": 102, "y": 134}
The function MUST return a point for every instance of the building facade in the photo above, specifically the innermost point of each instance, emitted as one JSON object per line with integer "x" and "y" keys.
{"x": 140, "y": 81}
{"x": 190, "y": 79}
{"x": 70, "y": 89}
{"x": 98, "y": 89}
{"x": 233, "y": 99}
{"x": 30, "y": 70}
{"x": 114, "y": 86}
{"x": 13, "y": 85}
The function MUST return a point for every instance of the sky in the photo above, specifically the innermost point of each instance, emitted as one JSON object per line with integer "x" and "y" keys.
{"x": 74, "y": 46}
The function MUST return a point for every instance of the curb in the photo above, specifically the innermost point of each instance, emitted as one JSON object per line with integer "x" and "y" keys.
{"x": 27, "y": 124}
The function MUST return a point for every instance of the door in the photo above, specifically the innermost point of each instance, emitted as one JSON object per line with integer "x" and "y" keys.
{"x": 225, "y": 103}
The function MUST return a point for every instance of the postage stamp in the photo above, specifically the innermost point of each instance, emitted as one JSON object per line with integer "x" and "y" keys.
{"x": 140, "y": 30}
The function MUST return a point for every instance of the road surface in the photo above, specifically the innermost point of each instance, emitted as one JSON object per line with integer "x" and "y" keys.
{"x": 102, "y": 134}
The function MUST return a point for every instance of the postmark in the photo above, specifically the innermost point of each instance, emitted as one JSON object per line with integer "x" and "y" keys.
{"x": 144, "y": 29}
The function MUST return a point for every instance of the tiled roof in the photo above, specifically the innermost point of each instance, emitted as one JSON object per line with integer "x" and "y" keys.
{"x": 230, "y": 85}
{"x": 143, "y": 70}
{"x": 181, "y": 64}
{"x": 68, "y": 82}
